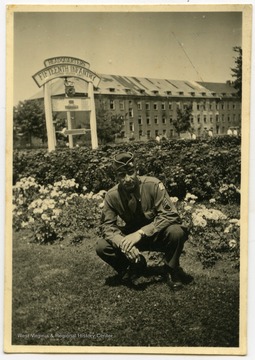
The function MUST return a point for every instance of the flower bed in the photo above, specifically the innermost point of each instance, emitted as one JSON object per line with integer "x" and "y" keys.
{"x": 62, "y": 210}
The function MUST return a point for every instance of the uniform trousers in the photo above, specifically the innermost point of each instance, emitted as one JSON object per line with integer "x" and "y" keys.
{"x": 170, "y": 241}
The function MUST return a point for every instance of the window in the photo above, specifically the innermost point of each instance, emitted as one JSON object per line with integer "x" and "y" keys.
{"x": 112, "y": 105}
{"x": 148, "y": 120}
{"x": 170, "y": 106}
{"x": 171, "y": 132}
{"x": 198, "y": 119}
{"x": 156, "y": 119}
{"x": 191, "y": 119}
{"x": 148, "y": 134}
{"x": 147, "y": 106}
{"x": 155, "y": 92}
{"x": 163, "y": 106}
{"x": 111, "y": 89}
{"x": 142, "y": 91}
{"x": 210, "y": 107}
{"x": 140, "y": 120}
{"x": 121, "y": 103}
{"x": 211, "y": 119}
{"x": 171, "y": 120}
{"x": 155, "y": 106}
{"x": 130, "y": 113}
{"x": 222, "y": 106}
{"x": 180, "y": 92}
{"x": 222, "y": 118}
{"x": 131, "y": 127}
{"x": 228, "y": 118}
{"x": 156, "y": 132}
{"x": 164, "y": 132}
{"x": 234, "y": 106}
{"x": 198, "y": 106}
{"x": 217, "y": 118}
{"x": 169, "y": 92}
{"x": 205, "y": 119}
{"x": 139, "y": 105}
{"x": 163, "y": 120}
{"x": 140, "y": 133}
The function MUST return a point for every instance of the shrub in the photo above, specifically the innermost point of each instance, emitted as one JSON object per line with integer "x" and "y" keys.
{"x": 201, "y": 167}
{"x": 213, "y": 232}
{"x": 54, "y": 211}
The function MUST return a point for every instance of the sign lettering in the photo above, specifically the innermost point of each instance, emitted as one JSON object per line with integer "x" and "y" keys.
{"x": 75, "y": 104}
{"x": 65, "y": 70}
{"x": 67, "y": 60}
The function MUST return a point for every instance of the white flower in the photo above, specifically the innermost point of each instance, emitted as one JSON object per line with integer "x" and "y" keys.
{"x": 232, "y": 243}
{"x": 187, "y": 207}
{"x": 24, "y": 224}
{"x": 45, "y": 217}
{"x": 38, "y": 211}
{"x": 235, "y": 221}
{"x": 190, "y": 198}
{"x": 228, "y": 228}
{"x": 174, "y": 199}
{"x": 198, "y": 220}
{"x": 212, "y": 201}
{"x": 31, "y": 220}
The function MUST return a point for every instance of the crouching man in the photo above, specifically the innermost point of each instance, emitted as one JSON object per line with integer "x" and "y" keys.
{"x": 151, "y": 224}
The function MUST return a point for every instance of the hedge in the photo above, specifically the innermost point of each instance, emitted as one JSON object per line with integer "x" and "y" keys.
{"x": 204, "y": 167}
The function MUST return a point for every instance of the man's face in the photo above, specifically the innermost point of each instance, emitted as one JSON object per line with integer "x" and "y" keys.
{"x": 127, "y": 178}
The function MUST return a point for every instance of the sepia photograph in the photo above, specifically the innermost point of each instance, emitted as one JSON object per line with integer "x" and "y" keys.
{"x": 127, "y": 155}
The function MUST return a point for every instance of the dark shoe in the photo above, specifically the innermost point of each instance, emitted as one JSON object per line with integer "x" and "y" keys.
{"x": 176, "y": 278}
{"x": 173, "y": 282}
{"x": 183, "y": 276}
{"x": 135, "y": 270}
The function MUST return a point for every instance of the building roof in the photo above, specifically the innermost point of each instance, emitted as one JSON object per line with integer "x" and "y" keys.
{"x": 220, "y": 88}
{"x": 130, "y": 85}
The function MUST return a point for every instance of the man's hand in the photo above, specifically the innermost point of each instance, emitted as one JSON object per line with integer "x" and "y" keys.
{"x": 130, "y": 240}
{"x": 132, "y": 255}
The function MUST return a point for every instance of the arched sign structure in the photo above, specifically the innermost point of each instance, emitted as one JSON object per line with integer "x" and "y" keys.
{"x": 68, "y": 67}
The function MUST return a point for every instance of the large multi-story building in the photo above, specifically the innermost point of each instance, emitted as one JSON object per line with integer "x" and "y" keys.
{"x": 149, "y": 106}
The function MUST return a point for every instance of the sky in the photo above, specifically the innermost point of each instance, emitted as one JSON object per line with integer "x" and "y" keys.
{"x": 196, "y": 46}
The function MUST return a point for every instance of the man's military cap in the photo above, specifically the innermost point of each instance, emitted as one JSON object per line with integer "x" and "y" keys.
{"x": 123, "y": 161}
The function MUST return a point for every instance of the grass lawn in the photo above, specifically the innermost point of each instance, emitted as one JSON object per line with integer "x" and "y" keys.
{"x": 60, "y": 298}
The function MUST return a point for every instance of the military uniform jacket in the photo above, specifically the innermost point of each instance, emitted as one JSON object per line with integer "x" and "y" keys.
{"x": 156, "y": 206}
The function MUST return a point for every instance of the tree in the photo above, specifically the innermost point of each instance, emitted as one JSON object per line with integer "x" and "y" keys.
{"x": 182, "y": 123}
{"x": 29, "y": 120}
{"x": 108, "y": 126}
{"x": 237, "y": 71}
